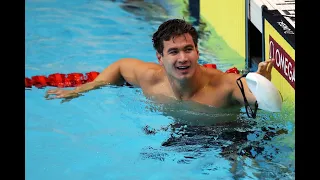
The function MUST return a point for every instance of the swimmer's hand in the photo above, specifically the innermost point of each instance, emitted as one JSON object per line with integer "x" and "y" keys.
{"x": 61, "y": 93}
{"x": 71, "y": 94}
{"x": 265, "y": 68}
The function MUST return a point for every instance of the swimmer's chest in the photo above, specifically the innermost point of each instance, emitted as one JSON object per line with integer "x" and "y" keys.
{"x": 217, "y": 97}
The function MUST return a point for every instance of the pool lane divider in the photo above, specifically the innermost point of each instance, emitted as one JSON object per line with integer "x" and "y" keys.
{"x": 76, "y": 79}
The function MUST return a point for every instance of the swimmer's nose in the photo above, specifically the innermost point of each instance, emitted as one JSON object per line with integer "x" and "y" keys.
{"x": 182, "y": 57}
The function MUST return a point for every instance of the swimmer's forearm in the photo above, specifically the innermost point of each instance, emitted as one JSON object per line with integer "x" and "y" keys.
{"x": 88, "y": 86}
{"x": 116, "y": 74}
{"x": 110, "y": 75}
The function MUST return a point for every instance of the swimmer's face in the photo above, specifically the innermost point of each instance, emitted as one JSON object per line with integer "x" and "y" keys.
{"x": 180, "y": 57}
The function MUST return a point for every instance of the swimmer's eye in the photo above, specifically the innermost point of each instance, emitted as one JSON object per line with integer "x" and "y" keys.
{"x": 173, "y": 52}
{"x": 188, "y": 50}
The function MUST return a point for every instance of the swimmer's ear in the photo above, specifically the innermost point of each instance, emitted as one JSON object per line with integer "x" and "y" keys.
{"x": 159, "y": 57}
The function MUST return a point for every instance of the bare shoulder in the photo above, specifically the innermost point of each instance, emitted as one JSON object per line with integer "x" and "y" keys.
{"x": 153, "y": 74}
{"x": 215, "y": 75}
{"x": 136, "y": 71}
{"x": 231, "y": 78}
{"x": 147, "y": 72}
{"x": 139, "y": 64}
{"x": 221, "y": 87}
{"x": 220, "y": 78}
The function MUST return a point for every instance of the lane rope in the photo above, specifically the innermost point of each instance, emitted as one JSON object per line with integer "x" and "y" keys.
{"x": 76, "y": 79}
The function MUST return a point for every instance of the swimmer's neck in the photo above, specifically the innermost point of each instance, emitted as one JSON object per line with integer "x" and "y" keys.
{"x": 186, "y": 89}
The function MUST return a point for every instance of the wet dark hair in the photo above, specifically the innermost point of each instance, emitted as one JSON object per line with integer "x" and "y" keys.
{"x": 172, "y": 28}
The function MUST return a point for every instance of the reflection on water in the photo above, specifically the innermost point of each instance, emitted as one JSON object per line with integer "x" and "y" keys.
{"x": 193, "y": 113}
{"x": 145, "y": 10}
{"x": 252, "y": 148}
{"x": 157, "y": 11}
{"x": 238, "y": 141}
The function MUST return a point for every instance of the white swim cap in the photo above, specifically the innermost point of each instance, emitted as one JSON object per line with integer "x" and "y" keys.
{"x": 267, "y": 95}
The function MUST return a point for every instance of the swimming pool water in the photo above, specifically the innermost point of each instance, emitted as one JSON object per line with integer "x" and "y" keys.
{"x": 114, "y": 132}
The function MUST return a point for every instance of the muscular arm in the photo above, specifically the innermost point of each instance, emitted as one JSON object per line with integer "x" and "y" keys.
{"x": 127, "y": 69}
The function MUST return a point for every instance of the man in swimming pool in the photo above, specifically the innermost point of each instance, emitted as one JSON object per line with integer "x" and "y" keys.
{"x": 178, "y": 76}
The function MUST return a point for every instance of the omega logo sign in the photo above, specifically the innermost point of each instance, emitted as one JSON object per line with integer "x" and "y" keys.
{"x": 284, "y": 64}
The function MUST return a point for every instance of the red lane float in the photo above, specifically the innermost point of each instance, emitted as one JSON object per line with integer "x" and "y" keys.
{"x": 233, "y": 70}
{"x": 60, "y": 80}
{"x": 214, "y": 66}
{"x": 76, "y": 79}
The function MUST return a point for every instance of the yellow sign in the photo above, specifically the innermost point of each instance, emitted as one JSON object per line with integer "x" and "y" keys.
{"x": 279, "y": 44}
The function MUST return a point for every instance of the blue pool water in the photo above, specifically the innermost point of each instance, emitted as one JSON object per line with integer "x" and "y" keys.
{"x": 116, "y": 133}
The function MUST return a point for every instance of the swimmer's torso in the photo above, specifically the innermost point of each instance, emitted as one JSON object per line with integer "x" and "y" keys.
{"x": 213, "y": 101}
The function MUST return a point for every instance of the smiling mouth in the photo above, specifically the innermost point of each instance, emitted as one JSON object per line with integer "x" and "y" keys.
{"x": 183, "y": 67}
